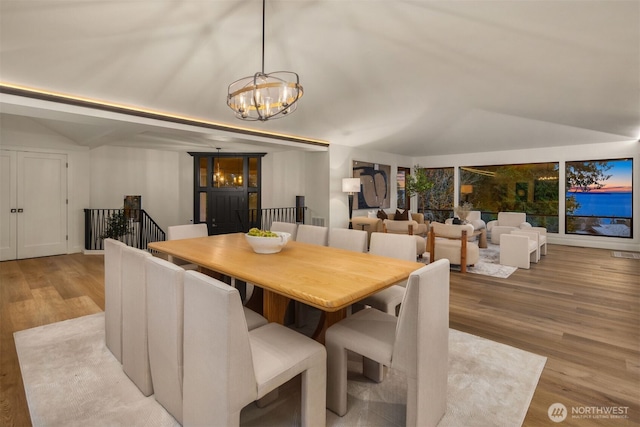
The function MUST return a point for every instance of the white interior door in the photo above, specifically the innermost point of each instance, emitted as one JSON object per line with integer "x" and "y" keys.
{"x": 33, "y": 204}
{"x": 8, "y": 206}
{"x": 42, "y": 204}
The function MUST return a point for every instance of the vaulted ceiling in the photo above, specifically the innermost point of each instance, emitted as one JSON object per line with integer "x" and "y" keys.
{"x": 409, "y": 77}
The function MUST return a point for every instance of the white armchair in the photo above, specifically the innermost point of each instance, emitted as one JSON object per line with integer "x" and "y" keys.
{"x": 506, "y": 222}
{"x": 519, "y": 249}
{"x": 474, "y": 218}
{"x": 450, "y": 241}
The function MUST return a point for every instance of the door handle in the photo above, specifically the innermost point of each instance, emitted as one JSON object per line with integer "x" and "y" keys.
{"x": 20, "y": 210}
{"x": 14, "y": 210}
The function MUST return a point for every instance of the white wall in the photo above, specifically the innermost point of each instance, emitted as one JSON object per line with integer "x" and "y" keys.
{"x": 155, "y": 175}
{"x": 316, "y": 176}
{"x": 283, "y": 178}
{"x": 614, "y": 150}
{"x": 288, "y": 174}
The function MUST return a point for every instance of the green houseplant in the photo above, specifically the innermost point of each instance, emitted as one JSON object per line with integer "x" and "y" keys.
{"x": 418, "y": 184}
{"x": 117, "y": 225}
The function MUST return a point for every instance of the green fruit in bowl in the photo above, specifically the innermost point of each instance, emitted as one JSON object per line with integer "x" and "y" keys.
{"x": 256, "y": 232}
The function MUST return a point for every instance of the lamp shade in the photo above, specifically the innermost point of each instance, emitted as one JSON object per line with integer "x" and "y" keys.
{"x": 350, "y": 185}
{"x": 466, "y": 189}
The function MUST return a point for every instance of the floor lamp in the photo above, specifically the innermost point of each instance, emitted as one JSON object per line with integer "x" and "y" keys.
{"x": 350, "y": 185}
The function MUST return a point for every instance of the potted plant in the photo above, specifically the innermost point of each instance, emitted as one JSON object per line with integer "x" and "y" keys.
{"x": 418, "y": 183}
{"x": 118, "y": 225}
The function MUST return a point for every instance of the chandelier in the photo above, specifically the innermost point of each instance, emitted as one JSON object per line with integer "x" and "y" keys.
{"x": 265, "y": 96}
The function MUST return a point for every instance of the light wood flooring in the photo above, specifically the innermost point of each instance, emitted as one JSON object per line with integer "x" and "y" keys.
{"x": 579, "y": 307}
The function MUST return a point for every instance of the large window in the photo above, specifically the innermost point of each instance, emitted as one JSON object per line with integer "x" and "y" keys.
{"x": 438, "y": 201}
{"x": 532, "y": 188}
{"x": 599, "y": 197}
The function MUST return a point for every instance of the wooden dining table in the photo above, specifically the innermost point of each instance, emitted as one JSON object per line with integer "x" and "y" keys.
{"x": 327, "y": 278}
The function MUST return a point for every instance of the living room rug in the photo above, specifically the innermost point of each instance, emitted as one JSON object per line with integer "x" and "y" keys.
{"x": 629, "y": 255}
{"x": 488, "y": 265}
{"x": 72, "y": 379}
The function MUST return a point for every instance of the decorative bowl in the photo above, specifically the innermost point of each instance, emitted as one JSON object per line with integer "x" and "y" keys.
{"x": 268, "y": 245}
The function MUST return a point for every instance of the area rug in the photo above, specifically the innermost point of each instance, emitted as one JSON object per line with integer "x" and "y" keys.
{"x": 71, "y": 379}
{"x": 629, "y": 255}
{"x": 488, "y": 264}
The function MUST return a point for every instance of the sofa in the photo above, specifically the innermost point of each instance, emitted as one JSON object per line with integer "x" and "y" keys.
{"x": 507, "y": 222}
{"x": 375, "y": 222}
{"x": 450, "y": 241}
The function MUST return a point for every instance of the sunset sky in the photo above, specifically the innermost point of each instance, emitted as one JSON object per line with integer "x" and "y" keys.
{"x": 621, "y": 177}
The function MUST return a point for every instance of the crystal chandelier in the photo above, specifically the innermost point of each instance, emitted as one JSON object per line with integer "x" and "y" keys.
{"x": 265, "y": 96}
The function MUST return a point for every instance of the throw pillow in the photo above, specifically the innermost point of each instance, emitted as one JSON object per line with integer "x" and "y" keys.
{"x": 371, "y": 214}
{"x": 402, "y": 216}
{"x": 382, "y": 214}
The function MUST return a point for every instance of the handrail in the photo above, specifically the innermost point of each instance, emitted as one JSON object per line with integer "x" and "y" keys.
{"x": 262, "y": 218}
{"x": 132, "y": 226}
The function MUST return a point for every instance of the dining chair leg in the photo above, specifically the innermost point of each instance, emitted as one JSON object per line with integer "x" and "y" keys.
{"x": 314, "y": 395}
{"x": 336, "y": 379}
{"x": 372, "y": 369}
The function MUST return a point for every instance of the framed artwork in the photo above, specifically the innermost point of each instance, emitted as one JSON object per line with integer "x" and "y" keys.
{"x": 375, "y": 190}
{"x": 132, "y": 205}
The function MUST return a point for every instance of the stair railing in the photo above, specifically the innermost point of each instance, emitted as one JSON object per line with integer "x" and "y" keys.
{"x": 132, "y": 226}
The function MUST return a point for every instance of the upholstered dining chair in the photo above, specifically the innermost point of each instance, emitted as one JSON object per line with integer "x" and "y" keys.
{"x": 401, "y": 246}
{"x": 226, "y": 367}
{"x": 113, "y": 296}
{"x": 165, "y": 323}
{"x": 349, "y": 239}
{"x": 313, "y": 234}
{"x": 186, "y": 231}
{"x": 416, "y": 343}
{"x": 165, "y": 319}
{"x": 135, "y": 350}
{"x": 287, "y": 227}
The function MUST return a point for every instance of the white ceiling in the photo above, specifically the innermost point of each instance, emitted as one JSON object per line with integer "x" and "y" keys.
{"x": 409, "y": 77}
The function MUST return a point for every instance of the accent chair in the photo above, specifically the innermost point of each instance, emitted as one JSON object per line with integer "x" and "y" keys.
{"x": 506, "y": 222}
{"x": 450, "y": 241}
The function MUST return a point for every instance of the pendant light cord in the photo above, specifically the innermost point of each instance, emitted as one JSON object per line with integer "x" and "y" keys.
{"x": 263, "y": 30}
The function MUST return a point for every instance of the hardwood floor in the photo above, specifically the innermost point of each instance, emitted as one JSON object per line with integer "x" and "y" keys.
{"x": 579, "y": 307}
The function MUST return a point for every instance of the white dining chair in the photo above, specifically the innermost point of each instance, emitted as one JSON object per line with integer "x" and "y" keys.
{"x": 113, "y": 296}
{"x": 351, "y": 240}
{"x": 226, "y": 367}
{"x": 135, "y": 348}
{"x": 400, "y": 246}
{"x": 314, "y": 234}
{"x": 287, "y": 227}
{"x": 165, "y": 320}
{"x": 185, "y": 231}
{"x": 165, "y": 324}
{"x": 416, "y": 343}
